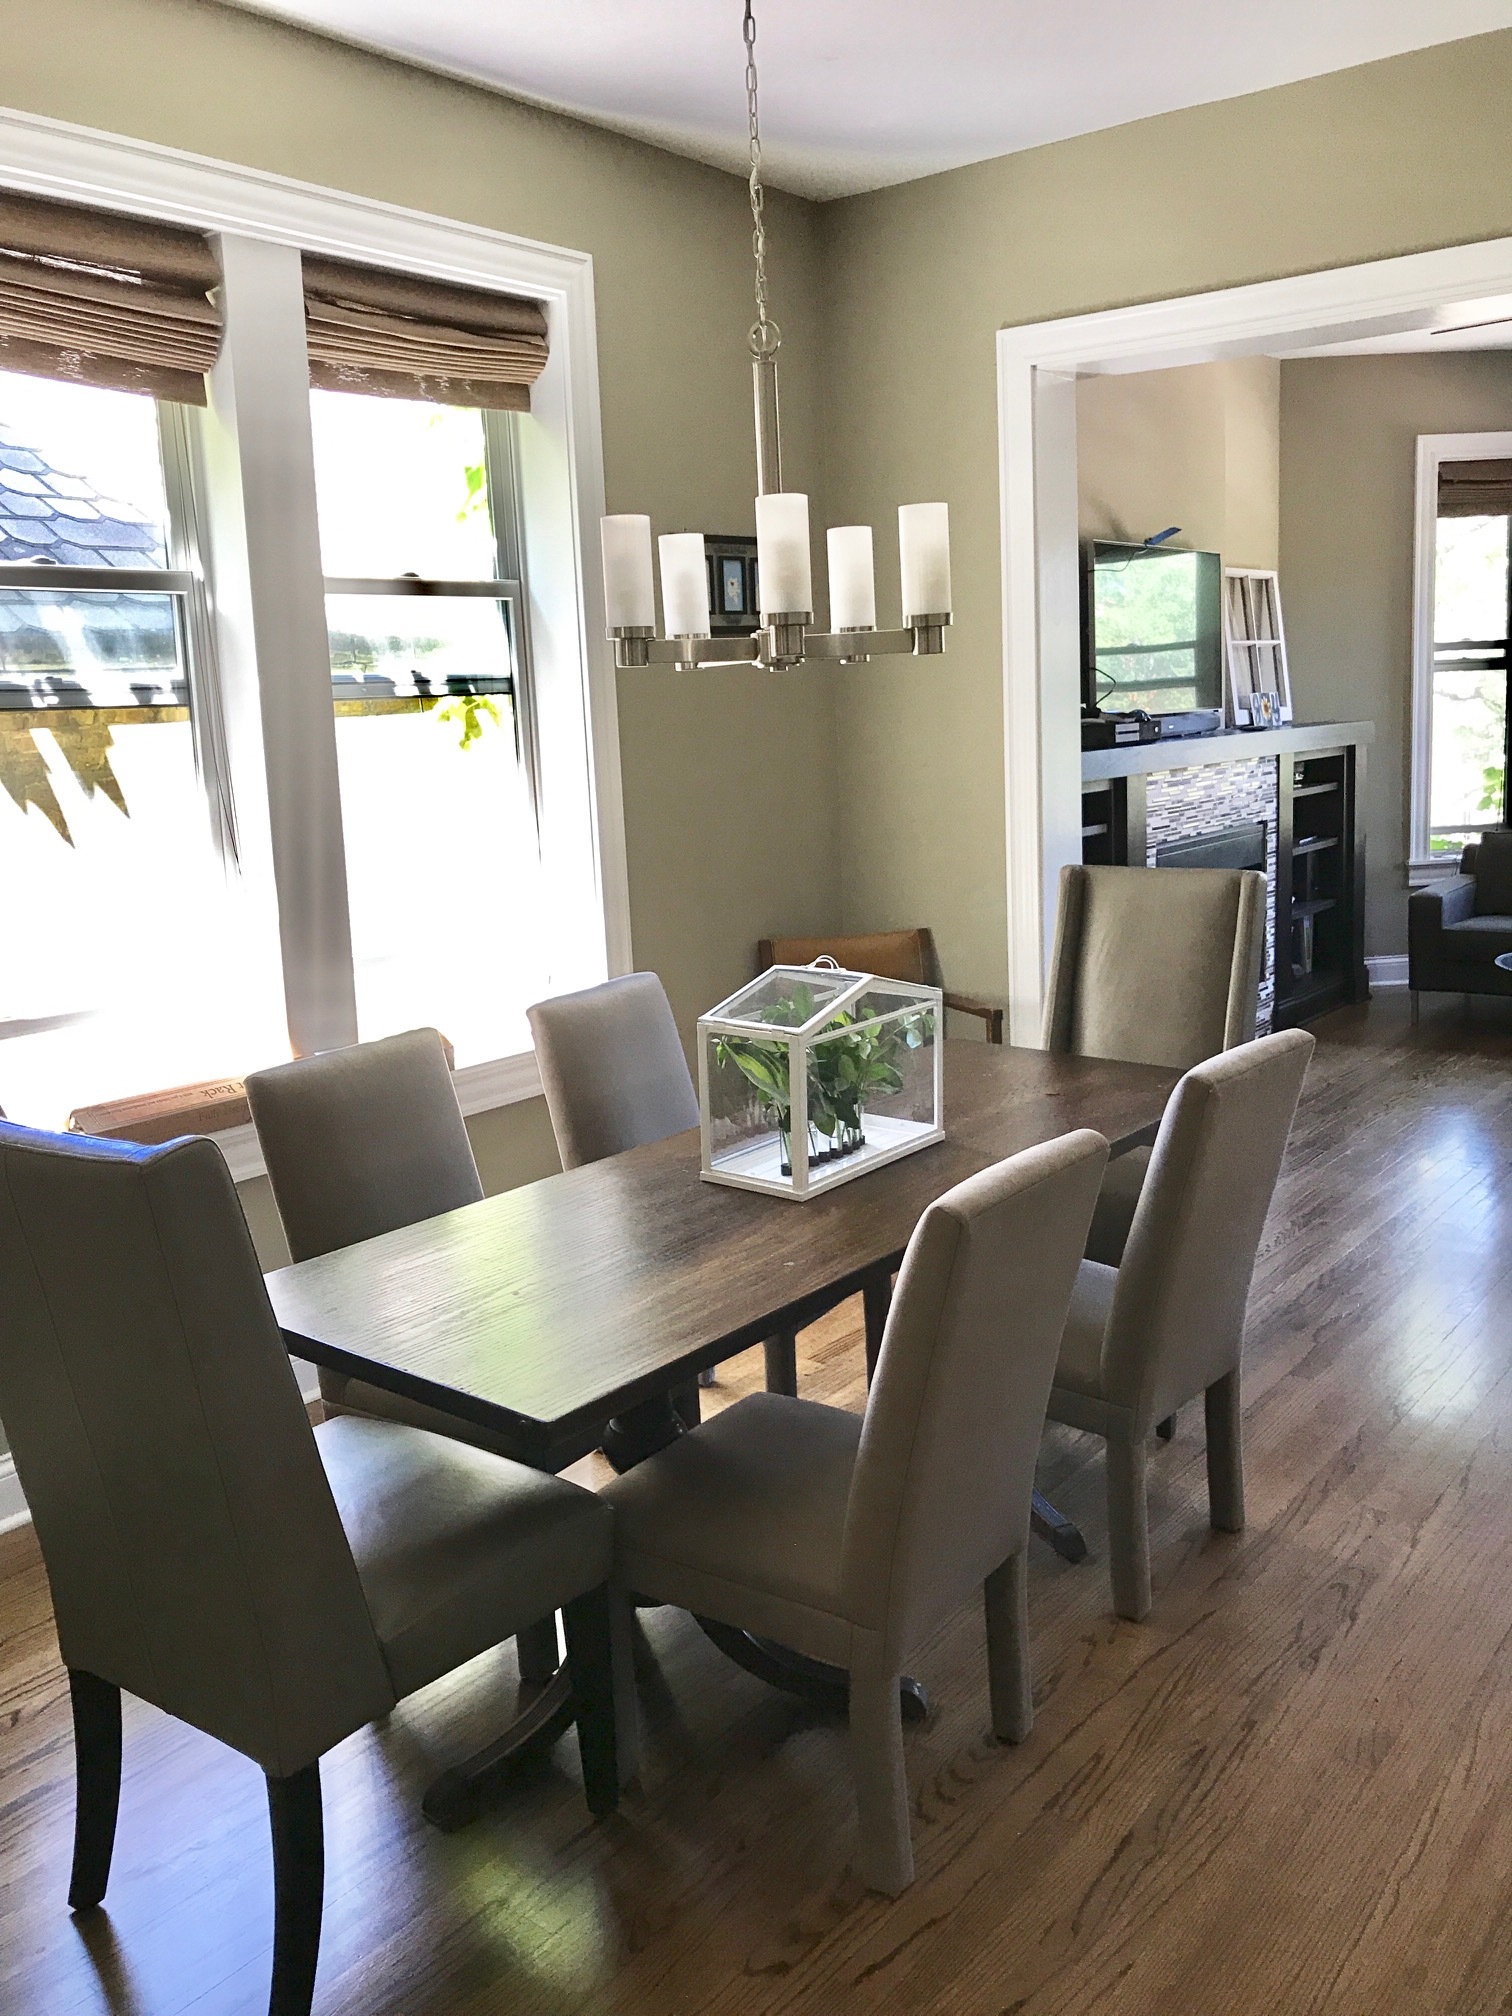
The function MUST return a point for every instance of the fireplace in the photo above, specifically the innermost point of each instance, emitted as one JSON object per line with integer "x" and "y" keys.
{"x": 1230, "y": 847}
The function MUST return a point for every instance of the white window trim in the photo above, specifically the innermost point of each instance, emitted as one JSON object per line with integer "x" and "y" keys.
{"x": 1038, "y": 364}
{"x": 561, "y": 464}
{"x": 1432, "y": 449}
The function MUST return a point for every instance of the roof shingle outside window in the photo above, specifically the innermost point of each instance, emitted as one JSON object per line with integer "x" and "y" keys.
{"x": 49, "y": 515}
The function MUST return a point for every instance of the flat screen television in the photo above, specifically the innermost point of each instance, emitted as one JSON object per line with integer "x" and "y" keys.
{"x": 1152, "y": 629}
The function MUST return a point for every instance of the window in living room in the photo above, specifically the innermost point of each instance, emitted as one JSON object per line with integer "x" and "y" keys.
{"x": 1472, "y": 616}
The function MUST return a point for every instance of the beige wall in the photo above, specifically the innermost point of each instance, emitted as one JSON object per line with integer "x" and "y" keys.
{"x": 729, "y": 778}
{"x": 1197, "y": 446}
{"x": 1389, "y": 158}
{"x": 1349, "y": 429}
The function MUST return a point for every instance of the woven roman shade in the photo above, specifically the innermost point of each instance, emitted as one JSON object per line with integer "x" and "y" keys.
{"x": 1474, "y": 489}
{"x": 407, "y": 337}
{"x": 100, "y": 299}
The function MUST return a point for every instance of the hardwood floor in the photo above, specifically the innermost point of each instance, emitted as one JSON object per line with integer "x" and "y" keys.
{"x": 1286, "y": 1791}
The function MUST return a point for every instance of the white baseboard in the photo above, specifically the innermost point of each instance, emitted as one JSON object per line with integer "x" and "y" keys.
{"x": 13, "y": 1510}
{"x": 1387, "y": 969}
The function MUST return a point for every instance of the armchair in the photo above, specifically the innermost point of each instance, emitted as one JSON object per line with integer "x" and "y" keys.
{"x": 1457, "y": 930}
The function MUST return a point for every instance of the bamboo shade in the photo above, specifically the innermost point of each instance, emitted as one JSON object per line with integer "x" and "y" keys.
{"x": 100, "y": 299}
{"x": 407, "y": 337}
{"x": 1474, "y": 489}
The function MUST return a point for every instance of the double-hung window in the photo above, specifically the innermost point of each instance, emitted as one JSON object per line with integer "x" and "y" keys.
{"x": 425, "y": 607}
{"x": 1472, "y": 624}
{"x": 237, "y": 816}
{"x": 129, "y": 959}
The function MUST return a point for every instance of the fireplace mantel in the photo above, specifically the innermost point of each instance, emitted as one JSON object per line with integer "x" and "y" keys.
{"x": 1303, "y": 784}
{"x": 1231, "y": 745}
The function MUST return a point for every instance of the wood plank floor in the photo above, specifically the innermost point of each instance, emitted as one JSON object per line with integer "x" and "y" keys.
{"x": 1287, "y": 1791}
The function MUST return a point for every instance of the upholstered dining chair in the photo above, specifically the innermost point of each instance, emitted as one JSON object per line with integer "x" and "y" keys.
{"x": 615, "y": 1077}
{"x": 891, "y": 955}
{"x": 1152, "y": 966}
{"x": 273, "y": 1585}
{"x": 850, "y": 1538}
{"x": 356, "y": 1143}
{"x": 1168, "y": 1323}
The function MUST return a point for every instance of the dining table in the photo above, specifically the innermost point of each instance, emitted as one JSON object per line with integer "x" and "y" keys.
{"x": 544, "y": 1313}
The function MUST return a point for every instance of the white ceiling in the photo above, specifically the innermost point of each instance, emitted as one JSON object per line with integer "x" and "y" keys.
{"x": 857, "y": 94}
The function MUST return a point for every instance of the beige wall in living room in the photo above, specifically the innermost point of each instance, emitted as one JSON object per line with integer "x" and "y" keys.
{"x": 1349, "y": 428}
{"x": 918, "y": 279}
{"x": 1197, "y": 446}
{"x": 729, "y": 778}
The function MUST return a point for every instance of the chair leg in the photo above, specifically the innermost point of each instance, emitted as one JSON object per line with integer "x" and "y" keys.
{"x": 538, "y": 1652}
{"x": 590, "y": 1662}
{"x": 884, "y": 1858}
{"x": 782, "y": 1362}
{"x": 622, "y": 1630}
{"x": 1225, "y": 1454}
{"x": 1128, "y": 1526}
{"x": 1417, "y": 1007}
{"x": 1009, "y": 1674}
{"x": 97, "y": 1797}
{"x": 298, "y": 1889}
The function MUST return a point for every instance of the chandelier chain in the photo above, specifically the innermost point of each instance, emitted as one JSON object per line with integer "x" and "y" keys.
{"x": 765, "y": 335}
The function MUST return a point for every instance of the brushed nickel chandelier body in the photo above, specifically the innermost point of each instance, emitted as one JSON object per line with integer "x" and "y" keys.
{"x": 784, "y": 637}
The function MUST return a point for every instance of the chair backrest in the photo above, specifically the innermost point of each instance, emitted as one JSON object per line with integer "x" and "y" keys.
{"x": 945, "y": 1472}
{"x": 891, "y": 955}
{"x": 359, "y": 1142}
{"x": 612, "y": 1068}
{"x": 195, "y": 1552}
{"x": 1177, "y": 1321}
{"x": 1489, "y": 861}
{"x": 1155, "y": 965}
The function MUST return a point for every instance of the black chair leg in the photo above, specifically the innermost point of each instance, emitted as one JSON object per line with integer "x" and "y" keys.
{"x": 782, "y": 1362}
{"x": 536, "y": 1648}
{"x": 591, "y": 1668}
{"x": 97, "y": 1799}
{"x": 298, "y": 1889}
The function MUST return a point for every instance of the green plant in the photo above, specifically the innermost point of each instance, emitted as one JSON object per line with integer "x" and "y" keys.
{"x": 847, "y": 1068}
{"x": 472, "y": 710}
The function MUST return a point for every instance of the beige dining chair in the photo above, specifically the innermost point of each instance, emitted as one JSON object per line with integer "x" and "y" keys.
{"x": 850, "y": 1538}
{"x": 1152, "y": 966}
{"x": 615, "y": 1077}
{"x": 356, "y": 1143}
{"x": 1168, "y": 1323}
{"x": 273, "y": 1585}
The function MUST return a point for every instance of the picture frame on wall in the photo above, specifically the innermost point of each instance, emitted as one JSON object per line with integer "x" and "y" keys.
{"x": 734, "y": 586}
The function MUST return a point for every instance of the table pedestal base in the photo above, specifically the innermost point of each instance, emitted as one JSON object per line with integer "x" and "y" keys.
{"x": 459, "y": 1795}
{"x": 823, "y": 1686}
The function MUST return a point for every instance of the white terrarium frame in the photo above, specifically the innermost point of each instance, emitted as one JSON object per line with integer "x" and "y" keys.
{"x": 804, "y": 1182}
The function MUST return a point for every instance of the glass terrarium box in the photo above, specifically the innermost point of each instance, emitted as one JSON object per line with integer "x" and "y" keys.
{"x": 811, "y": 1075}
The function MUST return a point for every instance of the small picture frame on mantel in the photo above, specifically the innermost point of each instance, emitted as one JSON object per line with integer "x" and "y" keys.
{"x": 734, "y": 586}
{"x": 1257, "y": 680}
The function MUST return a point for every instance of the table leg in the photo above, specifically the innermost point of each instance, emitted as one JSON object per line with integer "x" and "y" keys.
{"x": 813, "y": 1680}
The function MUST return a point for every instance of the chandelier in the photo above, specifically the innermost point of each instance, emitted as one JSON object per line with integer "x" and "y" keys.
{"x": 786, "y": 595}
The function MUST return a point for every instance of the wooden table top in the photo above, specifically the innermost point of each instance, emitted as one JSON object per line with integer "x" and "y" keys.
{"x": 545, "y": 1310}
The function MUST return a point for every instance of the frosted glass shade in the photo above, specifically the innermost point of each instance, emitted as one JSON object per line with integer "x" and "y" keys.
{"x": 629, "y": 592}
{"x": 685, "y": 584}
{"x": 924, "y": 552}
{"x": 852, "y": 578}
{"x": 782, "y": 554}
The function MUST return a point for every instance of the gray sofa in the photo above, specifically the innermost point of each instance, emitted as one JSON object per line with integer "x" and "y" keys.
{"x": 1456, "y": 930}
